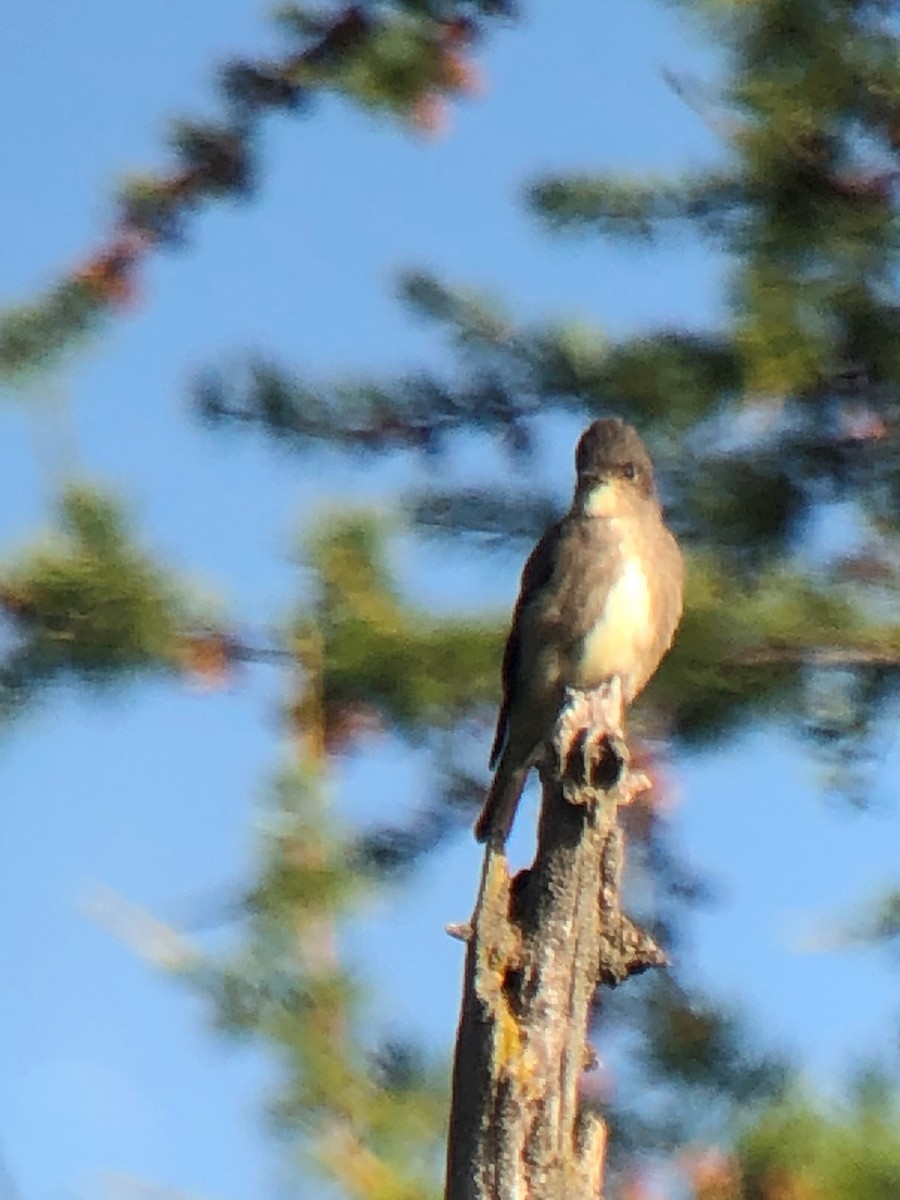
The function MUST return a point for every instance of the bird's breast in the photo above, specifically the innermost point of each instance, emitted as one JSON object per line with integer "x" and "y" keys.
{"x": 622, "y": 632}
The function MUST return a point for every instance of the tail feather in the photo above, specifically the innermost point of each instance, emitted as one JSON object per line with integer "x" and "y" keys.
{"x": 499, "y": 810}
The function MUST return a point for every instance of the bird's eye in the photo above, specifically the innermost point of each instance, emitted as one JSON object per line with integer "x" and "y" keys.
{"x": 629, "y": 471}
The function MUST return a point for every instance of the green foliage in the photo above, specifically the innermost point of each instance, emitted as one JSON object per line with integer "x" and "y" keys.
{"x": 745, "y": 646}
{"x": 31, "y": 335}
{"x": 631, "y": 209}
{"x": 86, "y": 605}
{"x": 800, "y": 1149}
{"x": 401, "y": 57}
{"x": 400, "y": 61}
{"x": 673, "y": 379}
{"x": 878, "y": 925}
{"x": 508, "y": 376}
{"x": 885, "y": 927}
{"x": 371, "y": 1120}
{"x": 494, "y": 517}
{"x": 809, "y": 116}
{"x": 476, "y": 321}
{"x": 415, "y": 670}
{"x": 704, "y": 1047}
{"x": 756, "y": 428}
{"x": 693, "y": 1069}
{"x": 755, "y": 505}
{"x": 414, "y": 413}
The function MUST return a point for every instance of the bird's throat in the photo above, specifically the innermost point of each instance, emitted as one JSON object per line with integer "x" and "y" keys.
{"x": 601, "y": 501}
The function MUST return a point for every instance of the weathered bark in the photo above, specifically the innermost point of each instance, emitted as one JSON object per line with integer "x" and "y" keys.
{"x": 538, "y": 946}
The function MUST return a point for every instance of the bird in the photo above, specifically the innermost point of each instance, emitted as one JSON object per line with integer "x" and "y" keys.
{"x": 600, "y": 596}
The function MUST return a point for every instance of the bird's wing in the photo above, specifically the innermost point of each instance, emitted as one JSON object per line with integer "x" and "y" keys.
{"x": 535, "y": 574}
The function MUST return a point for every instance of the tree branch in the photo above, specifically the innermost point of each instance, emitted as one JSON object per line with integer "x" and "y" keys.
{"x": 836, "y": 657}
{"x": 540, "y": 943}
{"x": 218, "y": 160}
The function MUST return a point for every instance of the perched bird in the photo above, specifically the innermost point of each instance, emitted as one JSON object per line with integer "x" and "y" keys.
{"x": 600, "y": 596}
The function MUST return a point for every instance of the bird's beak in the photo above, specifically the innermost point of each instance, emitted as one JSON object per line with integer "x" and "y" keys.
{"x": 594, "y": 478}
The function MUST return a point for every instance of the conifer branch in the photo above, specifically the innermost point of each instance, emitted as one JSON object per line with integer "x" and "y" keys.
{"x": 820, "y": 657}
{"x": 401, "y": 58}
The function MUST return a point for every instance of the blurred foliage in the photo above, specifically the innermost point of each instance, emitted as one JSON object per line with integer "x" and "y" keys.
{"x": 691, "y": 1070}
{"x": 700, "y": 1046}
{"x": 807, "y": 116}
{"x": 86, "y": 604}
{"x": 765, "y": 431}
{"x": 34, "y": 334}
{"x": 403, "y": 58}
{"x": 728, "y": 665}
{"x": 878, "y": 924}
{"x": 365, "y": 1113}
{"x": 384, "y": 663}
{"x": 802, "y": 1151}
{"x": 780, "y": 424}
{"x": 507, "y": 377}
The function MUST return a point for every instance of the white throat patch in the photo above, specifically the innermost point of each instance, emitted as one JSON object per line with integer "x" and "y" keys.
{"x": 601, "y": 501}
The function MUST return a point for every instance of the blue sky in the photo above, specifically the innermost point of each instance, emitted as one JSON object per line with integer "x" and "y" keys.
{"x": 107, "y": 1070}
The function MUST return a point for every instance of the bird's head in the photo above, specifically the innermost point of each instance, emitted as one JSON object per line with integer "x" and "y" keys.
{"x": 614, "y": 468}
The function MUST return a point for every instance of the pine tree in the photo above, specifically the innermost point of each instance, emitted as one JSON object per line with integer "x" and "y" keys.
{"x": 756, "y": 425}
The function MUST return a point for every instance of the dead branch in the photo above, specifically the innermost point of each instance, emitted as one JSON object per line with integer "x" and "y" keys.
{"x": 539, "y": 945}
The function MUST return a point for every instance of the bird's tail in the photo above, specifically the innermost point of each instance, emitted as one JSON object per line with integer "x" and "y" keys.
{"x": 499, "y": 810}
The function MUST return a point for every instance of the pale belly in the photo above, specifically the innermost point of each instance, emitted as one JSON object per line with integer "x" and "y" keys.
{"x": 620, "y": 639}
